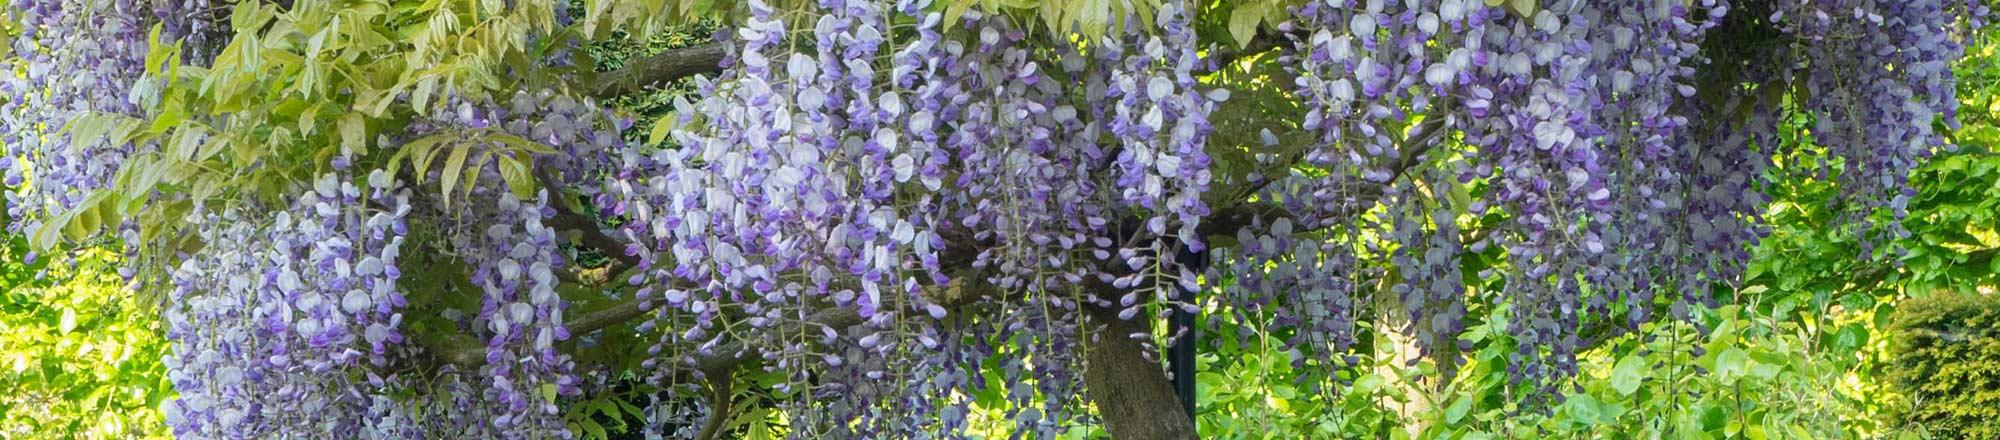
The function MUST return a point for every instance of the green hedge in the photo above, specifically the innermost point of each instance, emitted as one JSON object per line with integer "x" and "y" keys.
{"x": 1948, "y": 362}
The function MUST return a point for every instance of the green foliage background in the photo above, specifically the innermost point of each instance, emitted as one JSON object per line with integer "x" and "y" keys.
{"x": 1806, "y": 347}
{"x": 79, "y": 354}
{"x": 1948, "y": 361}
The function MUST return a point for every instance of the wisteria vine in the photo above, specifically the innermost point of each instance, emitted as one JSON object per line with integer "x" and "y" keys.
{"x": 891, "y": 207}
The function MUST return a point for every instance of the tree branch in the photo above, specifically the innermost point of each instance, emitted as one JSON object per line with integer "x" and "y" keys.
{"x": 1226, "y": 221}
{"x": 658, "y": 70}
{"x": 1263, "y": 42}
{"x": 599, "y": 320}
{"x": 592, "y": 235}
{"x": 719, "y": 405}
{"x": 1132, "y": 393}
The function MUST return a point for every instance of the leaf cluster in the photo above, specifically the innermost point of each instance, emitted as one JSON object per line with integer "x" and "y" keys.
{"x": 1947, "y": 349}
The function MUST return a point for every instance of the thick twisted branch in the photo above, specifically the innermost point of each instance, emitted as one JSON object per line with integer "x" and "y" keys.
{"x": 658, "y": 70}
{"x": 593, "y": 236}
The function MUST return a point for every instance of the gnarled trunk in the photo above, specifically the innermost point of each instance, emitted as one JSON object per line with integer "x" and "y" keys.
{"x": 1132, "y": 393}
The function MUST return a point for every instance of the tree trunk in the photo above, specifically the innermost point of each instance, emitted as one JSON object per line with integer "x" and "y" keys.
{"x": 1132, "y": 393}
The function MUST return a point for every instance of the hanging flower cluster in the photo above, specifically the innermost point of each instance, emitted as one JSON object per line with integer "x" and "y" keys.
{"x": 267, "y": 317}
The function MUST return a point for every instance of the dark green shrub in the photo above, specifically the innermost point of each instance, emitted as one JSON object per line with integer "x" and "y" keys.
{"x": 1948, "y": 362}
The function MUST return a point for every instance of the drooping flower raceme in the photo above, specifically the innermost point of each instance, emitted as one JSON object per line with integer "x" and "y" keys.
{"x": 280, "y": 322}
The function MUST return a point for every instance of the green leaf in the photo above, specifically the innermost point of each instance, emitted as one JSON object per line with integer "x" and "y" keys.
{"x": 87, "y": 129}
{"x": 421, "y": 97}
{"x": 591, "y": 428}
{"x": 522, "y": 144}
{"x": 662, "y": 128}
{"x": 1731, "y": 363}
{"x": 353, "y": 133}
{"x": 1628, "y": 374}
{"x": 605, "y": 407}
{"x": 629, "y": 408}
{"x": 68, "y": 322}
{"x": 1366, "y": 384}
{"x": 518, "y": 178}
{"x": 957, "y": 8}
{"x": 760, "y": 430}
{"x": 1527, "y": 8}
{"x": 1457, "y": 410}
{"x": 1909, "y": 434}
{"x": 157, "y": 54}
{"x": 81, "y": 225}
{"x": 1243, "y": 23}
{"x": 420, "y": 148}
{"x": 1460, "y": 194}
{"x": 453, "y": 166}
{"x": 1584, "y": 409}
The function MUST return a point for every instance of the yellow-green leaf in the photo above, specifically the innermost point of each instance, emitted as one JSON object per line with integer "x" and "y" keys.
{"x": 1628, "y": 374}
{"x": 171, "y": 115}
{"x": 662, "y": 128}
{"x": 452, "y": 167}
{"x": 953, "y": 11}
{"x": 421, "y": 97}
{"x": 353, "y": 133}
{"x": 87, "y": 129}
{"x": 81, "y": 225}
{"x": 158, "y": 53}
{"x": 519, "y": 179}
{"x": 46, "y": 236}
{"x": 68, "y": 321}
{"x": 521, "y": 144}
{"x": 1243, "y": 23}
{"x": 420, "y": 148}
{"x": 1527, "y": 8}
{"x": 309, "y": 119}
{"x": 471, "y": 176}
{"x": 1731, "y": 363}
{"x": 592, "y": 428}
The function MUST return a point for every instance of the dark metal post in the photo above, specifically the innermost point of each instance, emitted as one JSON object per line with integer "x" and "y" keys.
{"x": 1180, "y": 357}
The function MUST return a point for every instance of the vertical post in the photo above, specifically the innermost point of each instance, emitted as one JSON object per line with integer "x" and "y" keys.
{"x": 1181, "y": 360}
{"x": 1180, "y": 357}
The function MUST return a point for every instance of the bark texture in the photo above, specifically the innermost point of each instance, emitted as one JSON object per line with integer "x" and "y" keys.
{"x": 1132, "y": 393}
{"x": 658, "y": 69}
